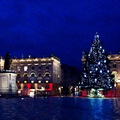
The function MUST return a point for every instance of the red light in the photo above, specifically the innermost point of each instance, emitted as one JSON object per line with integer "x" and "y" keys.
{"x": 28, "y": 85}
{"x": 50, "y": 86}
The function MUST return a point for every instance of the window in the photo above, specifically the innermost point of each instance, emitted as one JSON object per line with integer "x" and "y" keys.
{"x": 43, "y": 64}
{"x": 18, "y": 68}
{"x": 25, "y": 68}
{"x": 18, "y": 75}
{"x": 33, "y": 68}
{"x": 33, "y": 75}
{"x": 47, "y": 67}
{"x": 40, "y": 75}
{"x": 114, "y": 65}
{"x": 25, "y": 75}
{"x": 47, "y": 75}
{"x": 40, "y": 68}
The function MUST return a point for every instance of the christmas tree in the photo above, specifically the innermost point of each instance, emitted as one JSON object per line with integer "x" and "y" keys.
{"x": 96, "y": 73}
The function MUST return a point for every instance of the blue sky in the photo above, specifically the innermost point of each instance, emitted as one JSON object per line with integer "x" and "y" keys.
{"x": 61, "y": 27}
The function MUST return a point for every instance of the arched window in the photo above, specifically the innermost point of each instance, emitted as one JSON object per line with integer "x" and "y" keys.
{"x": 32, "y": 75}
{"x": 115, "y": 73}
{"x": 40, "y": 75}
{"x": 25, "y": 75}
{"x": 18, "y": 75}
{"x": 47, "y": 75}
{"x": 18, "y": 78}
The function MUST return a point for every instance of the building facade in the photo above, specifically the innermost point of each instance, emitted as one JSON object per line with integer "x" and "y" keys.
{"x": 37, "y": 76}
{"x": 115, "y": 70}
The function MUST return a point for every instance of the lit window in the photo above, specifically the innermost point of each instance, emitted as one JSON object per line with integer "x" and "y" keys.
{"x": 46, "y": 81}
{"x": 25, "y": 68}
{"x": 18, "y": 81}
{"x": 32, "y": 81}
{"x": 43, "y": 63}
{"x": 39, "y": 81}
{"x": 25, "y": 81}
{"x": 18, "y": 68}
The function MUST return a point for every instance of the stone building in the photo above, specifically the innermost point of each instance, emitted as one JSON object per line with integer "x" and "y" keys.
{"x": 37, "y": 76}
{"x": 115, "y": 70}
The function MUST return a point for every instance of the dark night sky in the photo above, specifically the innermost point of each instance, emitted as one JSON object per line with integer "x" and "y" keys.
{"x": 62, "y": 27}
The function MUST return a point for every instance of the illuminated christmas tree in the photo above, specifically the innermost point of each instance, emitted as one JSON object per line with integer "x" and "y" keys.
{"x": 96, "y": 73}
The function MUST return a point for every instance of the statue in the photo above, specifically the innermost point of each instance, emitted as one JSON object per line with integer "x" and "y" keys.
{"x": 7, "y": 61}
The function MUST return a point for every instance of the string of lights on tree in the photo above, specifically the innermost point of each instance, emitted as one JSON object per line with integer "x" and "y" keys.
{"x": 96, "y": 73}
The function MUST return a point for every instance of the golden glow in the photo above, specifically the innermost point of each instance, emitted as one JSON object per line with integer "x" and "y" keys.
{"x": 18, "y": 81}
{"x": 43, "y": 59}
{"x": 36, "y": 59}
{"x": 36, "y": 64}
{"x": 46, "y": 81}
{"x": 28, "y": 60}
{"x": 43, "y": 64}
{"x": 116, "y": 75}
{"x": 22, "y": 60}
{"x": 39, "y": 81}
{"x": 36, "y": 86}
{"x": 42, "y": 88}
{"x": 19, "y": 91}
{"x": 25, "y": 81}
{"x": 22, "y": 85}
{"x": 118, "y": 81}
